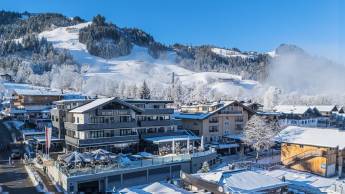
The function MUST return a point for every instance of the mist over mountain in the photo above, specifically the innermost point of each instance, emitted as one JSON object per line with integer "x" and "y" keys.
{"x": 46, "y": 48}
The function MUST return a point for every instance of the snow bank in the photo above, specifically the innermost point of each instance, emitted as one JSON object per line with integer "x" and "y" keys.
{"x": 36, "y": 179}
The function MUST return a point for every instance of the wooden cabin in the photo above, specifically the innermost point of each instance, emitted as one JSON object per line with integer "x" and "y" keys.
{"x": 316, "y": 150}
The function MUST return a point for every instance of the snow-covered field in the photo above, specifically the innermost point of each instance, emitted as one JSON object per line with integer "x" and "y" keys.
{"x": 139, "y": 65}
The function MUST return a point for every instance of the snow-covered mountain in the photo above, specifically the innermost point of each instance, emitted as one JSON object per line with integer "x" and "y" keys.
{"x": 139, "y": 65}
{"x": 52, "y": 50}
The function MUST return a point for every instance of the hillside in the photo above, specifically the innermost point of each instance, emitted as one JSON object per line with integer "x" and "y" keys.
{"x": 138, "y": 65}
{"x": 98, "y": 57}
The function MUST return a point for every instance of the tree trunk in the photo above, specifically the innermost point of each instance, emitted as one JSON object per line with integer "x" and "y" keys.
{"x": 257, "y": 156}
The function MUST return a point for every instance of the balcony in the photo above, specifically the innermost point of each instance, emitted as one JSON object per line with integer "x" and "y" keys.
{"x": 85, "y": 127}
{"x": 102, "y": 141}
{"x": 113, "y": 112}
{"x": 157, "y": 111}
{"x": 232, "y": 112}
{"x": 156, "y": 123}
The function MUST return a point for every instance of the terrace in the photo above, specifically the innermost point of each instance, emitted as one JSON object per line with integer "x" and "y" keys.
{"x": 116, "y": 163}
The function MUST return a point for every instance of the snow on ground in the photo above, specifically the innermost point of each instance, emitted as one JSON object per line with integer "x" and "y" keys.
{"x": 229, "y": 53}
{"x": 139, "y": 65}
{"x": 272, "y": 53}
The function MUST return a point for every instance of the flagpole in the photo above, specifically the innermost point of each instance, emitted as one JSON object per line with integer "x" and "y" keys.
{"x": 46, "y": 144}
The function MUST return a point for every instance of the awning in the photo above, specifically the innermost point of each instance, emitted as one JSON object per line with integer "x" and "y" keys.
{"x": 225, "y": 145}
{"x": 42, "y": 139}
{"x": 235, "y": 136}
{"x": 162, "y": 139}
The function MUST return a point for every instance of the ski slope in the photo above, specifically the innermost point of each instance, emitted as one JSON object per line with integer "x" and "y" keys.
{"x": 139, "y": 65}
{"x": 229, "y": 53}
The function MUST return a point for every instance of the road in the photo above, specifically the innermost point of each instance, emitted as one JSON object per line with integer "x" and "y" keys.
{"x": 13, "y": 179}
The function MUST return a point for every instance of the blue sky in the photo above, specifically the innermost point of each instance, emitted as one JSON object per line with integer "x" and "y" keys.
{"x": 261, "y": 25}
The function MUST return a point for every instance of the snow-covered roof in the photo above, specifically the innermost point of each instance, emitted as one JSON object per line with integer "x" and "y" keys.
{"x": 291, "y": 109}
{"x": 30, "y": 90}
{"x": 326, "y": 108}
{"x": 202, "y": 116}
{"x": 101, "y": 101}
{"x": 92, "y": 105}
{"x": 72, "y": 100}
{"x": 308, "y": 181}
{"x": 242, "y": 181}
{"x": 36, "y": 92}
{"x": 323, "y": 137}
{"x": 249, "y": 181}
{"x": 211, "y": 176}
{"x": 147, "y": 101}
{"x": 156, "y": 187}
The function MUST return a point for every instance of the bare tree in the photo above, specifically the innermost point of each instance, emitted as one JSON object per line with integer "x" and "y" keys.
{"x": 259, "y": 133}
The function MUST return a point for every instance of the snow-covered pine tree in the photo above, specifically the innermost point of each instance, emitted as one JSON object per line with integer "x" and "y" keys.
{"x": 205, "y": 167}
{"x": 145, "y": 92}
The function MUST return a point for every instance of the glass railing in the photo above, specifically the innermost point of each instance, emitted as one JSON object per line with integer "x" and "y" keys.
{"x": 156, "y": 161}
{"x": 123, "y": 166}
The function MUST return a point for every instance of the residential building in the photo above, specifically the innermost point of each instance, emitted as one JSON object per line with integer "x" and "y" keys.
{"x": 59, "y": 114}
{"x": 327, "y": 110}
{"x": 338, "y": 120}
{"x": 106, "y": 123}
{"x": 317, "y": 150}
{"x": 235, "y": 181}
{"x": 32, "y": 105}
{"x": 120, "y": 125}
{"x": 218, "y": 123}
{"x": 300, "y": 115}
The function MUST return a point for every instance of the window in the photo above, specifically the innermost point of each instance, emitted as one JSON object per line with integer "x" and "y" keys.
{"x": 213, "y": 129}
{"x": 213, "y": 119}
{"x": 107, "y": 133}
{"x": 239, "y": 127}
{"x": 124, "y": 132}
{"x": 77, "y": 119}
{"x": 161, "y": 129}
{"x": 151, "y": 130}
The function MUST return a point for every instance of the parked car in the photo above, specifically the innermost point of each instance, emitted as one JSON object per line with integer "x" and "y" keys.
{"x": 16, "y": 154}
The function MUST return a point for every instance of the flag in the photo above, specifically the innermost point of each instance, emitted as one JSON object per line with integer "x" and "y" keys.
{"x": 48, "y": 132}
